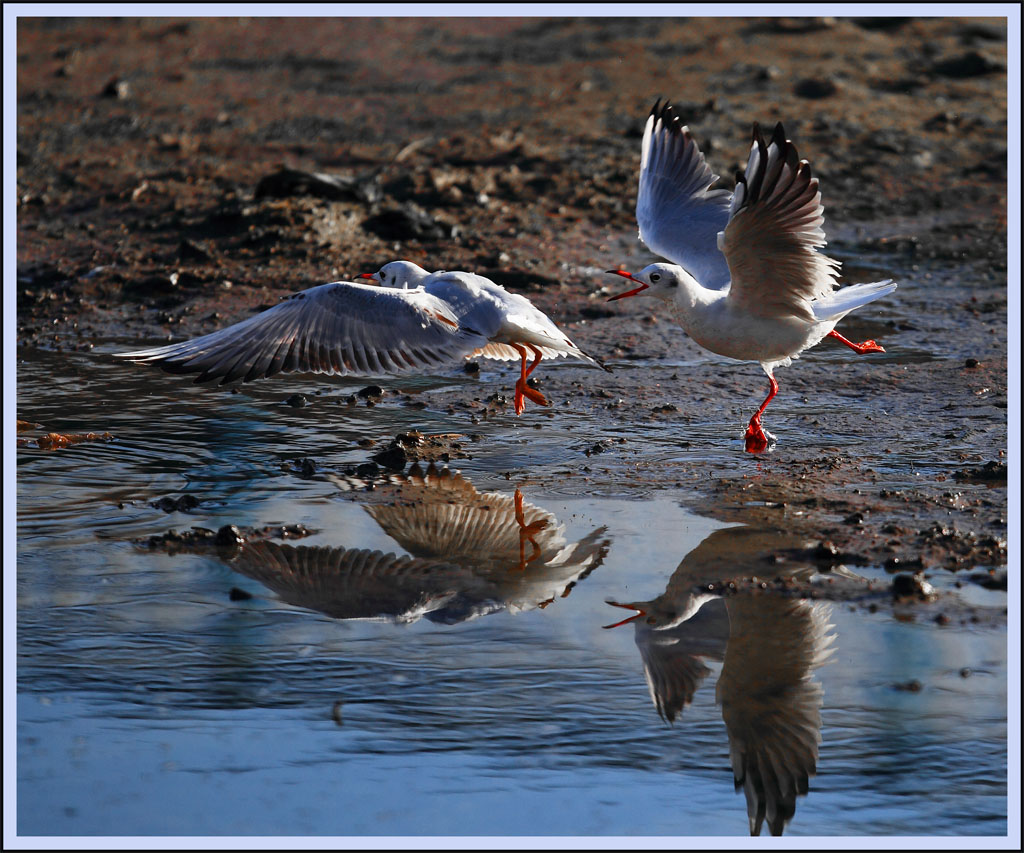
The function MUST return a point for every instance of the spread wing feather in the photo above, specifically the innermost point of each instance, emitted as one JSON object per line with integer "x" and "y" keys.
{"x": 678, "y": 216}
{"x": 771, "y": 242}
{"x": 341, "y": 328}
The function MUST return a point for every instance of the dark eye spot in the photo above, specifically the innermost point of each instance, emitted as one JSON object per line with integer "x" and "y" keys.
{"x": 655, "y": 277}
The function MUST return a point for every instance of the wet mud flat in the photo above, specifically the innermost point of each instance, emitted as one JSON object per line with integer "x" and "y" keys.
{"x": 176, "y": 175}
{"x": 249, "y": 586}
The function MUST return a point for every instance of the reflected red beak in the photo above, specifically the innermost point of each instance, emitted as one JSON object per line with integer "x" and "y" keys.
{"x": 639, "y": 613}
{"x": 632, "y": 292}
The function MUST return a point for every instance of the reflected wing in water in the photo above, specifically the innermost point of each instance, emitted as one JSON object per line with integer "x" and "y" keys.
{"x": 674, "y": 658}
{"x": 352, "y": 584}
{"x": 472, "y": 553}
{"x": 517, "y": 548}
{"x": 770, "y": 703}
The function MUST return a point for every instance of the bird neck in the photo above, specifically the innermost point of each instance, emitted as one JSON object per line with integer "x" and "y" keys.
{"x": 690, "y": 295}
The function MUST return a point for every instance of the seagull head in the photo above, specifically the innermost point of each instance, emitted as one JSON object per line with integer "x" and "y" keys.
{"x": 661, "y": 280}
{"x": 398, "y": 274}
{"x": 663, "y": 612}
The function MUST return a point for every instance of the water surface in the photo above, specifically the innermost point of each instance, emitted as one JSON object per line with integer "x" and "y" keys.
{"x": 481, "y": 697}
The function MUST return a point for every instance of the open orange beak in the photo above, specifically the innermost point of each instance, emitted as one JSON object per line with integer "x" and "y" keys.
{"x": 639, "y": 613}
{"x": 632, "y": 292}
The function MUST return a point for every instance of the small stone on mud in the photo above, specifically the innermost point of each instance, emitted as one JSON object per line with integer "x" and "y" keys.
{"x": 370, "y": 391}
{"x": 812, "y": 88}
{"x": 302, "y": 467}
{"x": 904, "y": 586}
{"x": 368, "y": 470}
{"x": 912, "y": 686}
{"x": 970, "y": 64}
{"x": 972, "y": 362}
{"x": 229, "y": 534}
{"x": 182, "y": 504}
{"x": 297, "y": 401}
{"x": 116, "y": 89}
{"x": 472, "y": 367}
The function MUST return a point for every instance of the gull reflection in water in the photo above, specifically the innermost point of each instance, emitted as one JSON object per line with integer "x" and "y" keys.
{"x": 770, "y": 645}
{"x": 472, "y": 553}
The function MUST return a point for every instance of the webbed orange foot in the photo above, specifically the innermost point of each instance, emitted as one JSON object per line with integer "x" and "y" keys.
{"x": 523, "y": 392}
{"x": 756, "y": 439}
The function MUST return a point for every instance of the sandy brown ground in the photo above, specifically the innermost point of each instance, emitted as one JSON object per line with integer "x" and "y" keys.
{"x": 165, "y": 189}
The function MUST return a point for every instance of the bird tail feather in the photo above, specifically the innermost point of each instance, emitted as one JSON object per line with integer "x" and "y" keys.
{"x": 846, "y": 299}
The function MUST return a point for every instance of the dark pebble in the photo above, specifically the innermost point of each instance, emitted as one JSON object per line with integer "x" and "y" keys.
{"x": 297, "y": 401}
{"x": 370, "y": 391}
{"x": 229, "y": 534}
{"x": 911, "y": 586}
{"x": 182, "y": 504}
{"x": 970, "y": 64}
{"x": 116, "y": 89}
{"x": 965, "y": 673}
{"x": 972, "y": 362}
{"x": 912, "y": 686}
{"x": 393, "y": 457}
{"x": 472, "y": 367}
{"x": 811, "y": 88}
{"x": 236, "y": 594}
{"x": 286, "y": 182}
{"x": 368, "y": 470}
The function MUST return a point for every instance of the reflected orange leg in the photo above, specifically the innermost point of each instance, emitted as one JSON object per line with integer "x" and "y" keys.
{"x": 756, "y": 440}
{"x": 522, "y": 389}
{"x": 861, "y": 348}
{"x": 526, "y": 533}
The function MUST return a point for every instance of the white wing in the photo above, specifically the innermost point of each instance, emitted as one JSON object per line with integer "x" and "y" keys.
{"x": 774, "y": 233}
{"x": 342, "y": 328}
{"x": 503, "y": 318}
{"x": 678, "y": 216}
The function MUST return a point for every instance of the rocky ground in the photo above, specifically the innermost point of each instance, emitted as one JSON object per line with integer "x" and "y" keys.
{"x": 175, "y": 175}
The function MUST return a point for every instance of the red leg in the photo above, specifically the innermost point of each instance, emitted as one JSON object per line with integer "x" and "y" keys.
{"x": 526, "y": 533}
{"x": 522, "y": 389}
{"x": 756, "y": 439}
{"x": 860, "y": 349}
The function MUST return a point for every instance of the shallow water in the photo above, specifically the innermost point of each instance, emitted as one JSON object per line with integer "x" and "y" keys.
{"x": 483, "y": 697}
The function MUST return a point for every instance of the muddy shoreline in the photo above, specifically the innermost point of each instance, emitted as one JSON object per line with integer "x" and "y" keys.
{"x": 174, "y": 176}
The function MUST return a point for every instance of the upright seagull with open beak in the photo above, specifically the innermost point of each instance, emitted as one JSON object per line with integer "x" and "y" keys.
{"x": 416, "y": 322}
{"x": 747, "y": 280}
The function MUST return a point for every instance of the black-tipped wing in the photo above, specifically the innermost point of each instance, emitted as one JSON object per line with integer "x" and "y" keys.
{"x": 678, "y": 216}
{"x": 771, "y": 703}
{"x": 341, "y": 328}
{"x": 774, "y": 233}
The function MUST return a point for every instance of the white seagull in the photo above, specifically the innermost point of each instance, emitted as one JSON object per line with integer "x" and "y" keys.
{"x": 415, "y": 322}
{"x": 747, "y": 280}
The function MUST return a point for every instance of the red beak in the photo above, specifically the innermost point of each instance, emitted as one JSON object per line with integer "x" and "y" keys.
{"x": 639, "y": 613}
{"x": 632, "y": 292}
{"x": 372, "y": 275}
